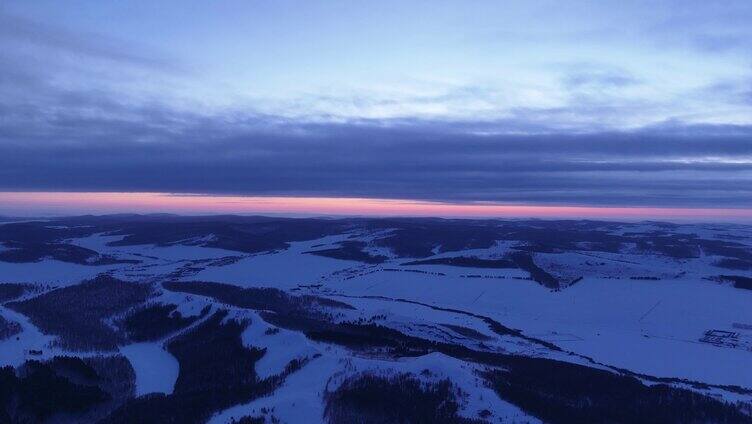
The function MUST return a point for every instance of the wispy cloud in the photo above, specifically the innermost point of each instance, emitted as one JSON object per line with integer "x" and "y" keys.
{"x": 581, "y": 75}
{"x": 16, "y": 31}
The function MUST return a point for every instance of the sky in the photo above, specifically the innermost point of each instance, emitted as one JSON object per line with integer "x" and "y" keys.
{"x": 546, "y": 104}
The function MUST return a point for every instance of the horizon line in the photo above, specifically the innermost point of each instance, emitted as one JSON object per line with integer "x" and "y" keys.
{"x": 68, "y": 203}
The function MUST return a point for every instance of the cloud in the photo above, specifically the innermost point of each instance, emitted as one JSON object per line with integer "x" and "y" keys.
{"x": 21, "y": 32}
{"x": 92, "y": 142}
{"x": 598, "y": 77}
{"x": 708, "y": 27}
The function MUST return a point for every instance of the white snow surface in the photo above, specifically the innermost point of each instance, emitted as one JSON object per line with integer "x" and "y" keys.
{"x": 281, "y": 347}
{"x": 156, "y": 369}
{"x": 49, "y": 272}
{"x": 282, "y": 269}
{"x": 651, "y": 327}
{"x": 16, "y": 349}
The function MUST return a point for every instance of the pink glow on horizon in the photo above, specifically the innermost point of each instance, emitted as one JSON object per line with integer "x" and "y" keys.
{"x": 70, "y": 203}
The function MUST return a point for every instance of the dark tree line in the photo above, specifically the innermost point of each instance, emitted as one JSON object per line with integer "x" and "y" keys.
{"x": 39, "y": 390}
{"x": 76, "y": 314}
{"x": 402, "y": 398}
{"x": 155, "y": 321}
{"x": 564, "y": 393}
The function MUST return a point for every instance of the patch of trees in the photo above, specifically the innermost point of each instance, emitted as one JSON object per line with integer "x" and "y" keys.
{"x": 249, "y": 420}
{"x": 34, "y": 252}
{"x": 37, "y": 391}
{"x": 415, "y": 238}
{"x": 302, "y": 322}
{"x": 525, "y": 261}
{"x": 364, "y": 336}
{"x": 564, "y": 393}
{"x": 402, "y": 398}
{"x": 41, "y": 232}
{"x": 735, "y": 264}
{"x": 470, "y": 333}
{"x": 8, "y": 328}
{"x": 77, "y": 313}
{"x": 257, "y": 298}
{"x": 216, "y": 372}
{"x": 10, "y": 291}
{"x": 420, "y": 238}
{"x": 370, "y": 337}
{"x": 415, "y": 271}
{"x": 116, "y": 377}
{"x": 677, "y": 246}
{"x": 575, "y": 281}
{"x": 350, "y": 251}
{"x": 155, "y": 321}
{"x": 464, "y": 261}
{"x": 728, "y": 249}
{"x": 739, "y": 281}
{"x": 64, "y": 389}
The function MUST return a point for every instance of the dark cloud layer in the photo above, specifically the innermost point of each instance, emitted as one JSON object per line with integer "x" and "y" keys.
{"x": 116, "y": 147}
{"x": 92, "y": 142}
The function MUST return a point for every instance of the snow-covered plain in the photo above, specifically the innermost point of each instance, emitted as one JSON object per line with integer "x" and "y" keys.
{"x": 49, "y": 272}
{"x": 156, "y": 369}
{"x": 281, "y": 269}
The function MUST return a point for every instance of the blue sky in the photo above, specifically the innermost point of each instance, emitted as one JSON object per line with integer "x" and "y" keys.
{"x": 640, "y": 102}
